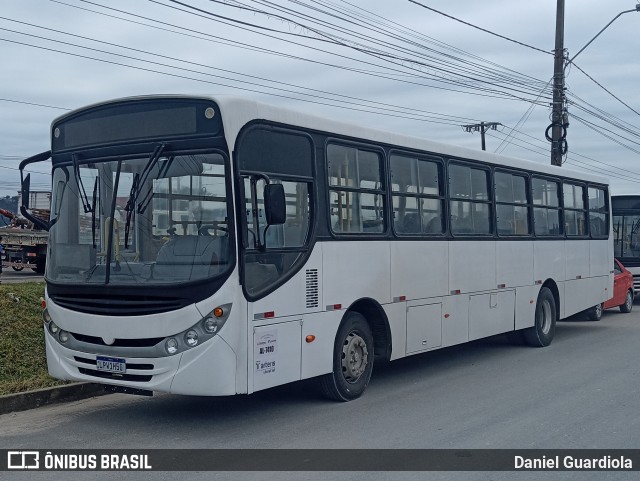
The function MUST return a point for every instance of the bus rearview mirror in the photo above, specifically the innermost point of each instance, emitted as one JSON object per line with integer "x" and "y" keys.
{"x": 274, "y": 204}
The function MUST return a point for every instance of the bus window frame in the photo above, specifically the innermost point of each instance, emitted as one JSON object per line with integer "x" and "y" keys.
{"x": 558, "y": 180}
{"x": 529, "y": 203}
{"x": 487, "y": 167}
{"x": 608, "y": 207}
{"x": 585, "y": 209}
{"x": 442, "y": 195}
{"x": 384, "y": 191}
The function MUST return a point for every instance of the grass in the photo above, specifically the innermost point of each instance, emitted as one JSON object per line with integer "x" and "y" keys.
{"x": 23, "y": 365}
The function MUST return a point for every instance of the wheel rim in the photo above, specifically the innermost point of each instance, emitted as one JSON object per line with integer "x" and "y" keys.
{"x": 598, "y": 310}
{"x": 629, "y": 301}
{"x": 355, "y": 356}
{"x": 545, "y": 324}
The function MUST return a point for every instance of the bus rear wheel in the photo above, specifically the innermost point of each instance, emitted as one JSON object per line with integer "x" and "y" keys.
{"x": 542, "y": 332}
{"x": 352, "y": 360}
{"x": 595, "y": 313}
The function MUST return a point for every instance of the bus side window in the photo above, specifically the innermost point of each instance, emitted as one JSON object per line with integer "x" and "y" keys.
{"x": 417, "y": 195}
{"x": 356, "y": 195}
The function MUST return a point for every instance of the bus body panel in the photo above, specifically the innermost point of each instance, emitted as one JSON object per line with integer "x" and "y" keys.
{"x": 317, "y": 355}
{"x": 295, "y": 297}
{"x": 208, "y": 372}
{"x": 424, "y": 326}
{"x": 276, "y": 354}
{"x": 514, "y": 263}
{"x": 455, "y": 323}
{"x": 600, "y": 252}
{"x": 396, "y": 312}
{"x": 491, "y": 313}
{"x": 526, "y": 306}
{"x": 472, "y": 266}
{"x": 577, "y": 285}
{"x": 419, "y": 269}
{"x": 355, "y": 270}
{"x": 548, "y": 261}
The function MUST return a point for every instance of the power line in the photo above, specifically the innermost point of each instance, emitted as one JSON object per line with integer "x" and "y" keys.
{"x": 606, "y": 90}
{"x": 32, "y": 103}
{"x": 480, "y": 28}
{"x": 499, "y": 94}
{"x": 270, "y": 87}
{"x": 381, "y": 105}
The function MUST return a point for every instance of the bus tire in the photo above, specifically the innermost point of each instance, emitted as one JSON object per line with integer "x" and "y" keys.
{"x": 595, "y": 313}
{"x": 542, "y": 332}
{"x": 628, "y": 302}
{"x": 352, "y": 360}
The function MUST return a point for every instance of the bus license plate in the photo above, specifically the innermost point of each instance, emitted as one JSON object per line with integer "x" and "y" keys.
{"x": 111, "y": 364}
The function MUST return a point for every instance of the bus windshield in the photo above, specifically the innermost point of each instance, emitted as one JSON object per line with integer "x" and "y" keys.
{"x": 626, "y": 230}
{"x": 161, "y": 219}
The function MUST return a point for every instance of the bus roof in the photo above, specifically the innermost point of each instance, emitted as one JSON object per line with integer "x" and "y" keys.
{"x": 237, "y": 111}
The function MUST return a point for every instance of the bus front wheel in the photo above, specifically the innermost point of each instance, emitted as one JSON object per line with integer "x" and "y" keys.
{"x": 352, "y": 360}
{"x": 542, "y": 332}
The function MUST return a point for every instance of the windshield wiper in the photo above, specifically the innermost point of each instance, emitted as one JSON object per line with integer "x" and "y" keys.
{"x": 153, "y": 160}
{"x": 130, "y": 208}
{"x": 138, "y": 181}
{"x": 144, "y": 203}
{"x": 83, "y": 194}
{"x": 93, "y": 213}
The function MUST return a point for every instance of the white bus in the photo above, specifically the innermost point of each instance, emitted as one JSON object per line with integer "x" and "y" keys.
{"x": 217, "y": 246}
{"x": 626, "y": 234}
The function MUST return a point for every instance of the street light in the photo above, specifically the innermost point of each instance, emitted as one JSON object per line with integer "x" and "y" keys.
{"x": 637, "y": 9}
{"x": 559, "y": 121}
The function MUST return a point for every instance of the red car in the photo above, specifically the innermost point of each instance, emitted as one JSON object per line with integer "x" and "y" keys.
{"x": 622, "y": 293}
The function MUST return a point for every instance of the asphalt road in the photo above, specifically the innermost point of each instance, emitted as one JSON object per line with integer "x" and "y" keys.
{"x": 9, "y": 276}
{"x": 583, "y": 391}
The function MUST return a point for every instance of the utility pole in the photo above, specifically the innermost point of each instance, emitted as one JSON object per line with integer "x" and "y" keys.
{"x": 559, "y": 116}
{"x": 558, "y": 127}
{"x": 482, "y": 127}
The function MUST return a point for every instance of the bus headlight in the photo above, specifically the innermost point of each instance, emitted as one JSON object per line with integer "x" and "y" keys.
{"x": 171, "y": 345}
{"x": 191, "y": 338}
{"x": 210, "y": 325}
{"x": 53, "y": 328}
{"x": 205, "y": 329}
{"x": 63, "y": 336}
{"x": 46, "y": 317}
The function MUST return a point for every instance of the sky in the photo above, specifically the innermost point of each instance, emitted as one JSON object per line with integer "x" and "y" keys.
{"x": 421, "y": 67}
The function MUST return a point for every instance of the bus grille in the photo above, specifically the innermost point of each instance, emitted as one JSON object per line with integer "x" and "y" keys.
{"x": 147, "y": 342}
{"x": 120, "y": 306}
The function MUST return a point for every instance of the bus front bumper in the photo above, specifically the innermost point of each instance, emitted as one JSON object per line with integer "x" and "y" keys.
{"x": 206, "y": 370}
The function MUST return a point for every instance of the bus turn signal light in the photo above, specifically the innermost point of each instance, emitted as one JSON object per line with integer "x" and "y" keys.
{"x": 218, "y": 312}
{"x": 310, "y": 338}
